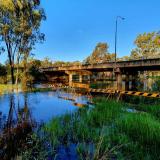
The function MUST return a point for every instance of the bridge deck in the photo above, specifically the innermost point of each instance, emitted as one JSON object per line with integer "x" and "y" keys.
{"x": 141, "y": 64}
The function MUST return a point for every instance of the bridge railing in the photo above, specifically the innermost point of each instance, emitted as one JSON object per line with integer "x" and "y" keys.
{"x": 130, "y": 63}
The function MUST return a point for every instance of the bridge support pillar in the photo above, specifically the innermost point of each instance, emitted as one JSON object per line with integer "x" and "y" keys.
{"x": 70, "y": 79}
{"x": 80, "y": 78}
{"x": 118, "y": 74}
{"x": 80, "y": 73}
{"x": 134, "y": 78}
{"x": 127, "y": 82}
{"x": 119, "y": 81}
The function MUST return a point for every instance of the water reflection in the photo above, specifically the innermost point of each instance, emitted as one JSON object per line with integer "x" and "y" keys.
{"x": 42, "y": 105}
{"x": 14, "y": 128}
{"x": 21, "y": 113}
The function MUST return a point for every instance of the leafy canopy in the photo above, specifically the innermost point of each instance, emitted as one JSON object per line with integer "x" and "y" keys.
{"x": 100, "y": 54}
{"x": 147, "y": 46}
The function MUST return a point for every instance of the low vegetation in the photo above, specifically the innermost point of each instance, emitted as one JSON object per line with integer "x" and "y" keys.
{"x": 7, "y": 88}
{"x": 108, "y": 131}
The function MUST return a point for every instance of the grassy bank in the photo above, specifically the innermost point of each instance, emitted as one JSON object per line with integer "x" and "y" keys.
{"x": 7, "y": 88}
{"x": 108, "y": 131}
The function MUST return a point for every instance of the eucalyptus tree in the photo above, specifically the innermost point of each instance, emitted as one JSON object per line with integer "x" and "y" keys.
{"x": 100, "y": 54}
{"x": 147, "y": 46}
{"x": 31, "y": 16}
{"x": 19, "y": 28}
{"x": 46, "y": 62}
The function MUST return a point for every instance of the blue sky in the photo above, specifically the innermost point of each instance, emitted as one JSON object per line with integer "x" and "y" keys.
{"x": 74, "y": 27}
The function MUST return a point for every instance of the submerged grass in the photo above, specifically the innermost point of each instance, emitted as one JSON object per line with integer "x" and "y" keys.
{"x": 108, "y": 131}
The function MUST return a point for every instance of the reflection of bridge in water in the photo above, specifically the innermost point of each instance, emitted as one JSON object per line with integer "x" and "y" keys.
{"x": 126, "y": 71}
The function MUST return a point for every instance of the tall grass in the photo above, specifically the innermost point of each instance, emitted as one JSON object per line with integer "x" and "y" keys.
{"x": 144, "y": 130}
{"x": 108, "y": 131}
{"x": 154, "y": 110}
{"x": 84, "y": 128}
{"x": 141, "y": 127}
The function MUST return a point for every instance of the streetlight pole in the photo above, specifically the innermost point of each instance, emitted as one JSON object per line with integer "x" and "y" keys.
{"x": 118, "y": 76}
{"x": 118, "y": 17}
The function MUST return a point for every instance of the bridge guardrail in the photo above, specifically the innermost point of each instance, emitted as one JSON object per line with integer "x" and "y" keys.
{"x": 109, "y": 65}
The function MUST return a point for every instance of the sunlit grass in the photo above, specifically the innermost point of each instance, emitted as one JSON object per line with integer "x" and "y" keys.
{"x": 108, "y": 131}
{"x": 153, "y": 110}
{"x": 7, "y": 88}
{"x": 143, "y": 130}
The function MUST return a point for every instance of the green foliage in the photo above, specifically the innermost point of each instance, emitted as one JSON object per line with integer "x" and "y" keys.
{"x": 143, "y": 129}
{"x": 108, "y": 131}
{"x": 3, "y": 70}
{"x": 34, "y": 73}
{"x": 7, "y": 88}
{"x": 148, "y": 46}
{"x": 156, "y": 85}
{"x": 100, "y": 54}
{"x": 84, "y": 128}
{"x": 19, "y": 30}
{"x": 3, "y": 74}
{"x": 46, "y": 62}
{"x": 153, "y": 109}
{"x": 99, "y": 85}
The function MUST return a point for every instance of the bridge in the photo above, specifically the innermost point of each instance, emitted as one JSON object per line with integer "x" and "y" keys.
{"x": 126, "y": 69}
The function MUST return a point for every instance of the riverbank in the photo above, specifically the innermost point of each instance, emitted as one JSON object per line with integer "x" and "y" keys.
{"x": 9, "y": 88}
{"x": 110, "y": 130}
{"x": 107, "y": 130}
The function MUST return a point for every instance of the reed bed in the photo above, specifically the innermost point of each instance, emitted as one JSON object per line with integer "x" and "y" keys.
{"x": 108, "y": 131}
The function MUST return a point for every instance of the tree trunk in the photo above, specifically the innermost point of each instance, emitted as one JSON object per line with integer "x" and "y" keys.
{"x": 24, "y": 82}
{"x": 11, "y": 67}
{"x": 17, "y": 75}
{"x": 11, "y": 60}
{"x": 12, "y": 74}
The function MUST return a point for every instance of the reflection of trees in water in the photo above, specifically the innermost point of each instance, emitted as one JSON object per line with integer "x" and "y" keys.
{"x": 2, "y": 121}
{"x": 18, "y": 115}
{"x": 15, "y": 128}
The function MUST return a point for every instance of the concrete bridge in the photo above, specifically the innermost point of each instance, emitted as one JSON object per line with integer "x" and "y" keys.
{"x": 121, "y": 68}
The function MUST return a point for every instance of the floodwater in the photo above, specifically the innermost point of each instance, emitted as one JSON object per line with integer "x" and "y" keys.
{"x": 42, "y": 106}
{"x": 24, "y": 110}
